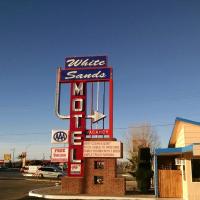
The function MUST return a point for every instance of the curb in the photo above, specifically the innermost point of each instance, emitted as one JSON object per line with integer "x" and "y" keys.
{"x": 43, "y": 180}
{"x": 35, "y": 193}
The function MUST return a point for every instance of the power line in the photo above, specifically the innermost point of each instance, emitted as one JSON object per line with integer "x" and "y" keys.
{"x": 156, "y": 125}
{"x": 30, "y": 133}
{"x": 116, "y": 128}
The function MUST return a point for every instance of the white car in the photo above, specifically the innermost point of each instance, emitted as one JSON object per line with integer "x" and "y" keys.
{"x": 29, "y": 170}
{"x": 50, "y": 172}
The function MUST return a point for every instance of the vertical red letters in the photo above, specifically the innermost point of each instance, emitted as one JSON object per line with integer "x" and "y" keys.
{"x": 77, "y": 126}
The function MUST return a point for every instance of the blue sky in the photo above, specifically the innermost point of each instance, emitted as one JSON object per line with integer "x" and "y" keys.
{"x": 153, "y": 47}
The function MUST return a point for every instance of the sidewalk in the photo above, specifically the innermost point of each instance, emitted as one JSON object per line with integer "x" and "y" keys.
{"x": 55, "y": 193}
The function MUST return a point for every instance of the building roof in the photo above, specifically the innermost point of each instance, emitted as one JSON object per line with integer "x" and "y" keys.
{"x": 175, "y": 151}
{"x": 187, "y": 121}
{"x": 178, "y": 122}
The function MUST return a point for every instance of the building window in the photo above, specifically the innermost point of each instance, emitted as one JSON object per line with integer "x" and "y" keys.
{"x": 98, "y": 179}
{"x": 195, "y": 170}
{"x": 99, "y": 165}
{"x": 184, "y": 176}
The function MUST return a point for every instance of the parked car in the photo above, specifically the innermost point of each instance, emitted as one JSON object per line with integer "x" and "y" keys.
{"x": 3, "y": 168}
{"x": 31, "y": 169}
{"x": 127, "y": 176}
{"x": 50, "y": 172}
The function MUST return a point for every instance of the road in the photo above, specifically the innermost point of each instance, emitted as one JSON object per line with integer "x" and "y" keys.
{"x": 13, "y": 186}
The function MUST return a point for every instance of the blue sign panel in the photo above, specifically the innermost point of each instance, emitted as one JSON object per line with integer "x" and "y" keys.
{"x": 85, "y": 74}
{"x": 89, "y": 61}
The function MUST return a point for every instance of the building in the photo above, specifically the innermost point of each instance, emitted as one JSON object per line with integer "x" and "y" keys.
{"x": 177, "y": 168}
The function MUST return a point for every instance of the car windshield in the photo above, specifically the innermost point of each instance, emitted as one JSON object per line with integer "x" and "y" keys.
{"x": 50, "y": 169}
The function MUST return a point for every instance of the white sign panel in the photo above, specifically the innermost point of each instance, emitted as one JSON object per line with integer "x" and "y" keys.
{"x": 59, "y": 154}
{"x": 179, "y": 161}
{"x": 109, "y": 149}
{"x": 59, "y": 136}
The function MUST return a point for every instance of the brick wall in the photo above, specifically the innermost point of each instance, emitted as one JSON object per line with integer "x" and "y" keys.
{"x": 111, "y": 185}
{"x": 72, "y": 185}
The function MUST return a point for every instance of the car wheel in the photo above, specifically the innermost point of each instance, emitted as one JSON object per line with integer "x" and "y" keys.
{"x": 59, "y": 177}
{"x": 40, "y": 176}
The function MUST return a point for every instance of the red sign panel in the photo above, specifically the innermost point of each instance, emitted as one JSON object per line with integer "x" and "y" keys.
{"x": 99, "y": 132}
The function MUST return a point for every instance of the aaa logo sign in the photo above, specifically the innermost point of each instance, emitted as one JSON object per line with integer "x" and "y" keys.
{"x": 59, "y": 136}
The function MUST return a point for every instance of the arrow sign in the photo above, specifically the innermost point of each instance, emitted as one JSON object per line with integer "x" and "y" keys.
{"x": 96, "y": 116}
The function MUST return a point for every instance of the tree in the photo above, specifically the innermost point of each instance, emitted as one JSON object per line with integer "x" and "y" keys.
{"x": 140, "y": 139}
{"x": 142, "y": 135}
{"x": 123, "y": 167}
{"x": 144, "y": 171}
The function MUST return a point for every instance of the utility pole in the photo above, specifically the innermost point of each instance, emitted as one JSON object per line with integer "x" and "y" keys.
{"x": 26, "y": 153}
{"x": 13, "y": 156}
{"x": 26, "y": 148}
{"x": 43, "y": 157}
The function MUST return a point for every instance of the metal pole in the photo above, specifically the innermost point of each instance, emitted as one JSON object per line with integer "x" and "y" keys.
{"x": 13, "y": 155}
{"x": 26, "y": 153}
{"x": 92, "y": 110}
{"x": 104, "y": 88}
{"x": 155, "y": 174}
{"x": 97, "y": 101}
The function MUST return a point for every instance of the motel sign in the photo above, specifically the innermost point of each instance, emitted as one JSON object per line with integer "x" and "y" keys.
{"x": 83, "y": 75}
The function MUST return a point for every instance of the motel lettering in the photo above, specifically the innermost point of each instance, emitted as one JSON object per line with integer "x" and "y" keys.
{"x": 77, "y": 124}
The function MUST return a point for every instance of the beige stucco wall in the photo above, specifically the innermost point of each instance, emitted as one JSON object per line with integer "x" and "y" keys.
{"x": 191, "y": 190}
{"x": 191, "y": 134}
{"x": 196, "y": 150}
{"x": 180, "y": 142}
{"x": 193, "y": 187}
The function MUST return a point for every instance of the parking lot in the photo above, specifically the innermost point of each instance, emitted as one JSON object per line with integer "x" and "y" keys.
{"x": 14, "y": 186}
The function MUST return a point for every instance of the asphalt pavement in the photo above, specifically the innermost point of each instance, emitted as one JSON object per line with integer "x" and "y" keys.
{"x": 14, "y": 186}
